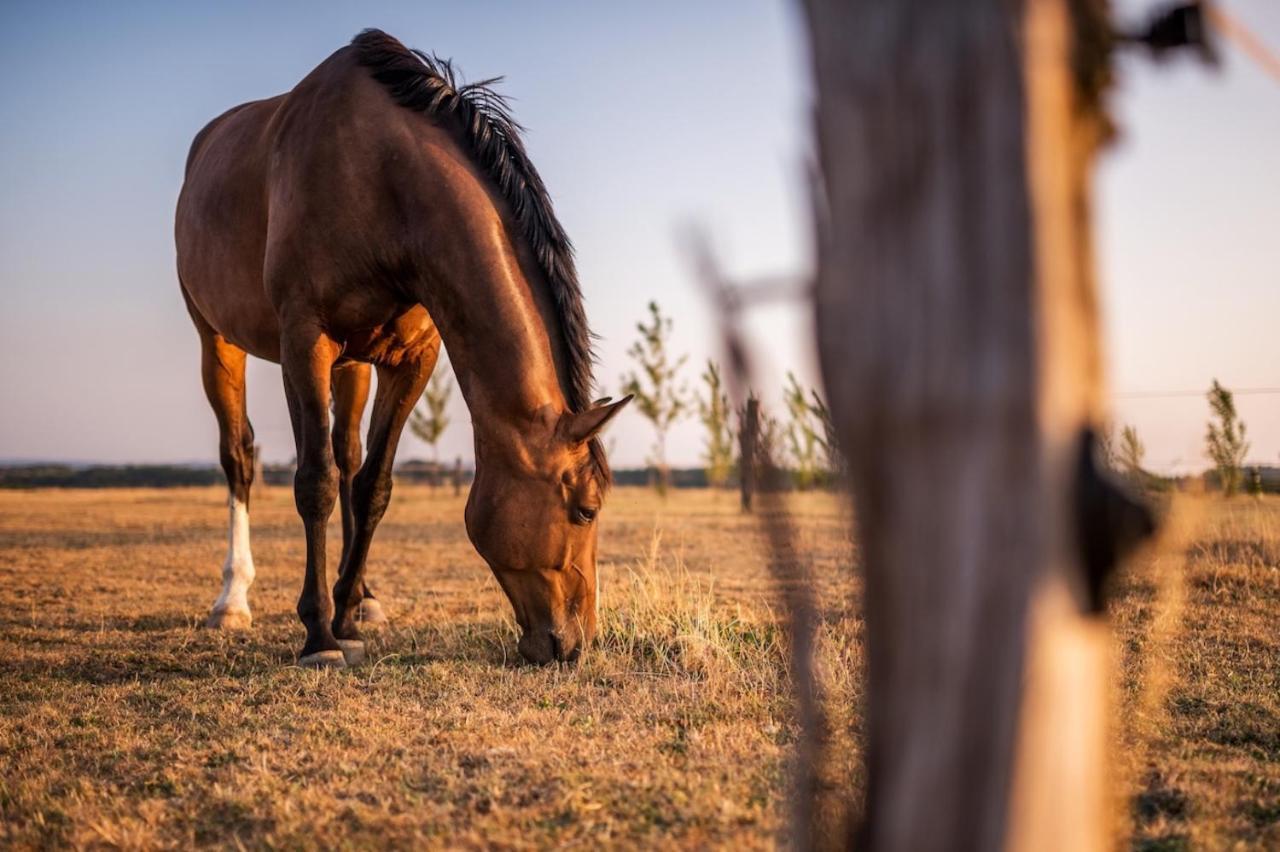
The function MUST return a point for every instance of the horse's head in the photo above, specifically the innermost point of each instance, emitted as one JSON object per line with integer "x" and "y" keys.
{"x": 532, "y": 516}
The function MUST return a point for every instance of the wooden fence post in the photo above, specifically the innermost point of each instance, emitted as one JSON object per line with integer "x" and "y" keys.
{"x": 259, "y": 480}
{"x": 957, "y": 332}
{"x": 748, "y": 429}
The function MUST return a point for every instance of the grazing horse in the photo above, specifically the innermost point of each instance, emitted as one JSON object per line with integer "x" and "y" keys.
{"x": 359, "y": 220}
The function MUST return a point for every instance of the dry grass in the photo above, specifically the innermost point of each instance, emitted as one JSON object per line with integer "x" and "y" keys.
{"x": 127, "y": 724}
{"x": 1199, "y": 723}
{"x": 124, "y": 723}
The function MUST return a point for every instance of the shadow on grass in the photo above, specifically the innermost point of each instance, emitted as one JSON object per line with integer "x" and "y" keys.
{"x": 1157, "y": 805}
{"x": 92, "y": 539}
{"x": 166, "y": 647}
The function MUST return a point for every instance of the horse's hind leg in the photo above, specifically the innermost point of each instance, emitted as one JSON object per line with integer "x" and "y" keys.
{"x": 222, "y": 368}
{"x": 350, "y": 393}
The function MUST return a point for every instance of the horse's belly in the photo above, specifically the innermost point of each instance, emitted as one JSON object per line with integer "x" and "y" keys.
{"x": 403, "y": 338}
{"x": 236, "y": 306}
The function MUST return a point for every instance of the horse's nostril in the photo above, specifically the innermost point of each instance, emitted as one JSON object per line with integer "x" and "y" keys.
{"x": 557, "y": 651}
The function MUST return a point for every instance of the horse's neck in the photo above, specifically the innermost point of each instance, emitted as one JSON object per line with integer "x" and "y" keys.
{"x": 501, "y": 343}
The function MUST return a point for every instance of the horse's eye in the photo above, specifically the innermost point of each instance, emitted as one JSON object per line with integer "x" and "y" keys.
{"x": 585, "y": 515}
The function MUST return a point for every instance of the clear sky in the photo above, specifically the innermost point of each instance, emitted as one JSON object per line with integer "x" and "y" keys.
{"x": 642, "y": 118}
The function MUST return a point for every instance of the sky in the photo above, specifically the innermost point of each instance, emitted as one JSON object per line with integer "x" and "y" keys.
{"x": 644, "y": 120}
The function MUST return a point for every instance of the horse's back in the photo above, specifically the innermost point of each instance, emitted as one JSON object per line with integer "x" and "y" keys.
{"x": 305, "y": 196}
{"x": 220, "y": 226}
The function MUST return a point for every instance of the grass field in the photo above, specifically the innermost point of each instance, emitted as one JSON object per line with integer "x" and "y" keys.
{"x": 124, "y": 723}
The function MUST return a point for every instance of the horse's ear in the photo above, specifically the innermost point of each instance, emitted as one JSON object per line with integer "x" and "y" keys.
{"x": 583, "y": 425}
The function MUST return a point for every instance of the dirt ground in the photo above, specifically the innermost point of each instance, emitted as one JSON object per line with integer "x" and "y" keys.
{"x": 124, "y": 723}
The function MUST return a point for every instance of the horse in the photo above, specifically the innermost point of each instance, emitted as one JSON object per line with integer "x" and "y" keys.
{"x": 356, "y": 223}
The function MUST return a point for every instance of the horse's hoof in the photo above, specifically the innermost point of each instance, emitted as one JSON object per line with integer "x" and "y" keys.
{"x": 229, "y": 619}
{"x": 323, "y": 660}
{"x": 370, "y": 613}
{"x": 352, "y": 651}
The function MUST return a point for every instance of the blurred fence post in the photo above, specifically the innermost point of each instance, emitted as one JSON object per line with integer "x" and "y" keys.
{"x": 457, "y": 476}
{"x": 788, "y": 566}
{"x": 747, "y": 433}
{"x": 957, "y": 331}
{"x": 259, "y": 479}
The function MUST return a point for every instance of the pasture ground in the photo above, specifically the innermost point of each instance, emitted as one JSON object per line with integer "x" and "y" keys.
{"x": 124, "y": 723}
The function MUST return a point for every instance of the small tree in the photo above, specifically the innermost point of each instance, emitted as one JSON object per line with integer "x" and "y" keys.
{"x": 658, "y": 394}
{"x": 767, "y": 445}
{"x": 803, "y": 438}
{"x": 833, "y": 460}
{"x": 429, "y": 420}
{"x": 1131, "y": 453}
{"x": 1225, "y": 439}
{"x": 769, "y": 451}
{"x": 1106, "y": 446}
{"x": 713, "y": 411}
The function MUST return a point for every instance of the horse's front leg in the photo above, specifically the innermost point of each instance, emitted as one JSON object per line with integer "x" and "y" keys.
{"x": 398, "y": 391}
{"x": 306, "y": 359}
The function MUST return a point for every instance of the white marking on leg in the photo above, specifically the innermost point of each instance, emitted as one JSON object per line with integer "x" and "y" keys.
{"x": 237, "y": 570}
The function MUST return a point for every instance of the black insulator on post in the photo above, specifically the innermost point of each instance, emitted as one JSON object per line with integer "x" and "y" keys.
{"x": 1111, "y": 521}
{"x": 1175, "y": 27}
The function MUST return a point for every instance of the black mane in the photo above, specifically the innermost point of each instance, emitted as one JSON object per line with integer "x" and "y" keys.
{"x": 426, "y": 83}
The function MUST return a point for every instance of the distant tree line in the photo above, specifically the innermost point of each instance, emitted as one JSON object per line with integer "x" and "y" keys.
{"x": 1225, "y": 446}
{"x": 798, "y": 452}
{"x": 109, "y": 476}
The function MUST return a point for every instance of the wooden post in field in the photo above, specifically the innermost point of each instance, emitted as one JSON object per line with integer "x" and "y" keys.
{"x": 957, "y": 331}
{"x": 457, "y": 476}
{"x": 747, "y": 431}
{"x": 259, "y": 481}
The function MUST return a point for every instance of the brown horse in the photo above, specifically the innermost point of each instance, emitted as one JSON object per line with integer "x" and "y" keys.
{"x": 358, "y": 220}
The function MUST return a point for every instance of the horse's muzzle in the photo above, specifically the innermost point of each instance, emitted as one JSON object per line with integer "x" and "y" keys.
{"x": 543, "y": 647}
